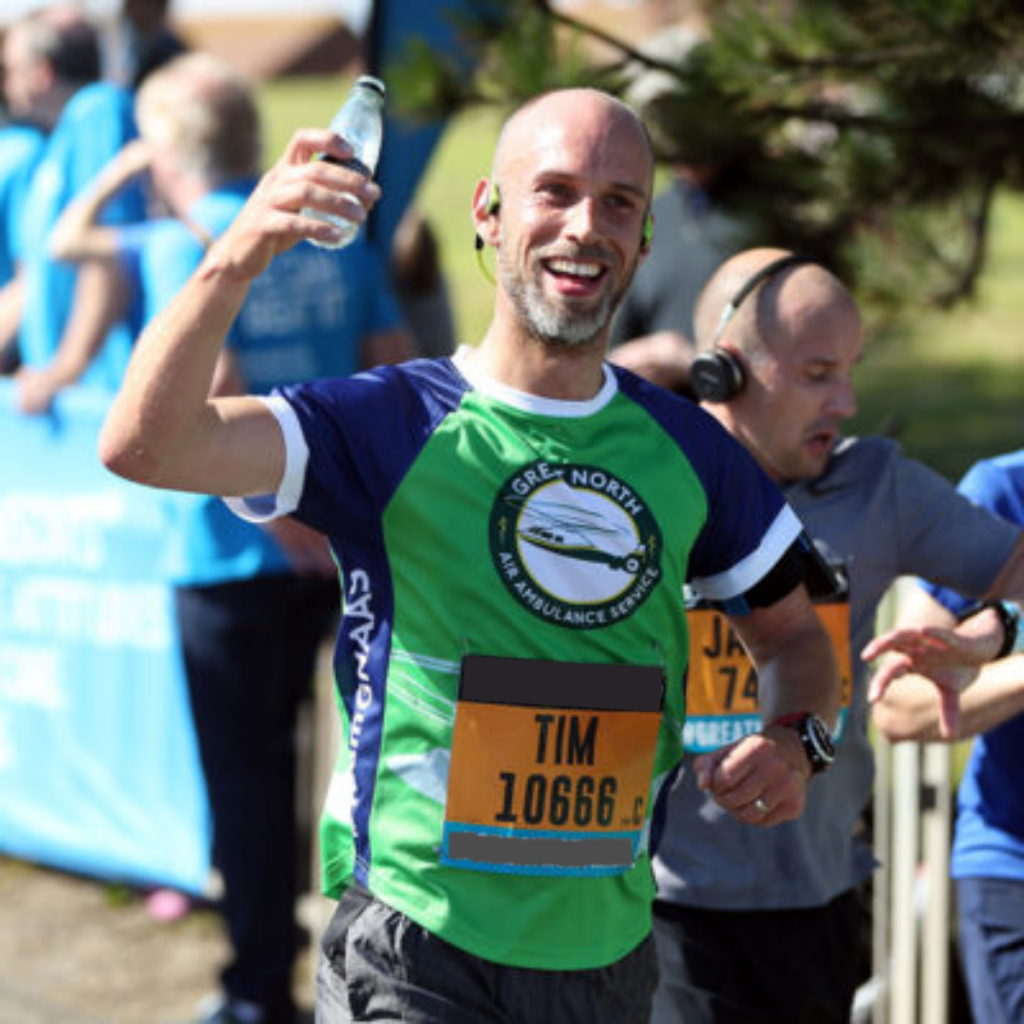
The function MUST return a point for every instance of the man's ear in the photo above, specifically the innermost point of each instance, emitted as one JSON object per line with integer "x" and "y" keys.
{"x": 486, "y": 206}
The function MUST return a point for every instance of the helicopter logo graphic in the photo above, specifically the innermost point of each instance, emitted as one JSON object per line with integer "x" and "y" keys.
{"x": 574, "y": 544}
{"x": 583, "y": 534}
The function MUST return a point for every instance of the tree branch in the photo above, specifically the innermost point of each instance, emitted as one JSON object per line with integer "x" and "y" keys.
{"x": 609, "y": 40}
{"x": 833, "y": 61}
{"x": 978, "y": 232}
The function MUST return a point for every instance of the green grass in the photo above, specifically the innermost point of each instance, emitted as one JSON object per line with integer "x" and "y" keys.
{"x": 290, "y": 103}
{"x": 954, "y": 380}
{"x": 445, "y": 195}
{"x": 950, "y": 383}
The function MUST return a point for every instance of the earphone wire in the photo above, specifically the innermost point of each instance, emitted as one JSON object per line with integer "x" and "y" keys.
{"x": 484, "y": 269}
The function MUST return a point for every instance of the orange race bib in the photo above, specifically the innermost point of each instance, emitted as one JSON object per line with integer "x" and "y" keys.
{"x": 551, "y": 766}
{"x": 721, "y": 691}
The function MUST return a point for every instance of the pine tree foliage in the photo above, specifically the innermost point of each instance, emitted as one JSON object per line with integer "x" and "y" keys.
{"x": 871, "y": 135}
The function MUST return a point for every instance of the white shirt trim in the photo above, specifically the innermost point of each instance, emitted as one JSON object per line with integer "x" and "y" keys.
{"x": 534, "y": 403}
{"x": 262, "y": 508}
{"x": 751, "y": 570}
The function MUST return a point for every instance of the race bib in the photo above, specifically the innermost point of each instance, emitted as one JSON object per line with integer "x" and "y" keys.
{"x": 721, "y": 694}
{"x": 551, "y": 766}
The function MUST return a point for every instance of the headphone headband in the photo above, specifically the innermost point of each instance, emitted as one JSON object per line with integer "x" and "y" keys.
{"x": 717, "y": 376}
{"x": 767, "y": 271}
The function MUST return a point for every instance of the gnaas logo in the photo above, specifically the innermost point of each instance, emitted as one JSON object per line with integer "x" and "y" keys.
{"x": 575, "y": 545}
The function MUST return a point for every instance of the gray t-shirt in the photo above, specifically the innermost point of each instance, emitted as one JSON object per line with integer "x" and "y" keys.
{"x": 878, "y": 515}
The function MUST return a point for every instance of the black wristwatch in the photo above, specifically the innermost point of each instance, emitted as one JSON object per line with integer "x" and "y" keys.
{"x": 1009, "y": 618}
{"x": 814, "y": 736}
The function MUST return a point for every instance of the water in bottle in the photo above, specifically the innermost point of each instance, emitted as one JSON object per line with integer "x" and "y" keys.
{"x": 360, "y": 122}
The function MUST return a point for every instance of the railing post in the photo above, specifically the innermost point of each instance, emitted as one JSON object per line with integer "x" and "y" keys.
{"x": 904, "y": 857}
{"x": 935, "y": 830}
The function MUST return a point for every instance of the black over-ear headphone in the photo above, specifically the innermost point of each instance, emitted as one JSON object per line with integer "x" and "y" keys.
{"x": 717, "y": 376}
{"x": 494, "y": 205}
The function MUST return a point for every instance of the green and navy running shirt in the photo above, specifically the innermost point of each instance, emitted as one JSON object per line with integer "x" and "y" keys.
{"x": 471, "y": 520}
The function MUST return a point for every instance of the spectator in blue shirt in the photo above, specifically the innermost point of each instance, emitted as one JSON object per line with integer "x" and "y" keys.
{"x": 67, "y": 326}
{"x": 944, "y": 637}
{"x": 253, "y": 606}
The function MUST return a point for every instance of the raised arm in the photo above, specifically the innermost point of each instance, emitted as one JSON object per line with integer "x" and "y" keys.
{"x": 164, "y": 429}
{"x": 100, "y": 301}
{"x": 78, "y": 234}
{"x": 100, "y": 297}
{"x": 797, "y": 672}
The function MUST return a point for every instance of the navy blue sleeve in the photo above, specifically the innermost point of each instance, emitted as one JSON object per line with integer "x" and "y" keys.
{"x": 363, "y": 434}
{"x": 749, "y": 525}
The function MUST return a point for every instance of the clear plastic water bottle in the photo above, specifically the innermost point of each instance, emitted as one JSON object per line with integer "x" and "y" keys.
{"x": 360, "y": 122}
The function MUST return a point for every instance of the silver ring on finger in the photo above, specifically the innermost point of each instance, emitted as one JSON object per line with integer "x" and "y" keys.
{"x": 761, "y": 807}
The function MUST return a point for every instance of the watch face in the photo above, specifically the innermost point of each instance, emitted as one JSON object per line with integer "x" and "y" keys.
{"x": 821, "y": 738}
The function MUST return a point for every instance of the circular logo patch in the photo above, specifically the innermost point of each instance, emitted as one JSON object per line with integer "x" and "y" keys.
{"x": 575, "y": 545}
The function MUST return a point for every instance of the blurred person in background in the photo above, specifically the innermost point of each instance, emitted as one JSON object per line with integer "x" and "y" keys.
{"x": 420, "y": 285}
{"x": 653, "y": 333}
{"x": 769, "y": 925}
{"x": 30, "y": 94}
{"x": 694, "y": 229}
{"x": 938, "y": 687}
{"x": 253, "y": 603}
{"x": 141, "y": 38}
{"x": 66, "y": 326}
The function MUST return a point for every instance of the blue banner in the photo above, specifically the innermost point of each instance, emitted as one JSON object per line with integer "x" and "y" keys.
{"x": 99, "y": 771}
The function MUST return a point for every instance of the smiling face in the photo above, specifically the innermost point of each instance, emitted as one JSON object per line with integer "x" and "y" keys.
{"x": 804, "y": 341}
{"x": 574, "y": 169}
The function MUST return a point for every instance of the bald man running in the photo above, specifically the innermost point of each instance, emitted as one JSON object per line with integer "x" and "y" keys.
{"x": 514, "y": 529}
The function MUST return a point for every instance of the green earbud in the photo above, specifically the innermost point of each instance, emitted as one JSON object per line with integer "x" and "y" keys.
{"x": 647, "y": 234}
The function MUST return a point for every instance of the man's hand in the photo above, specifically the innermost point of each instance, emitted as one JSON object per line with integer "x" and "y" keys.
{"x": 949, "y": 657}
{"x": 271, "y": 221}
{"x": 761, "y": 779}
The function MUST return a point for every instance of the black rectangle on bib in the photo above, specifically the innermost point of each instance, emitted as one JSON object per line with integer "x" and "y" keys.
{"x": 489, "y": 679}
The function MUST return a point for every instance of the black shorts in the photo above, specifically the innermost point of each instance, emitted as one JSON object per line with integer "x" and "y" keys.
{"x": 798, "y": 966}
{"x": 376, "y": 964}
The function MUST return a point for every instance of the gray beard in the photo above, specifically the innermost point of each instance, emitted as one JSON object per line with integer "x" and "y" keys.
{"x": 554, "y": 325}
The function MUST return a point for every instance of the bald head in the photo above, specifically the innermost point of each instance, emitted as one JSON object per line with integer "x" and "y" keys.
{"x": 574, "y": 172}
{"x": 797, "y": 338}
{"x": 582, "y": 110}
{"x": 777, "y": 309}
